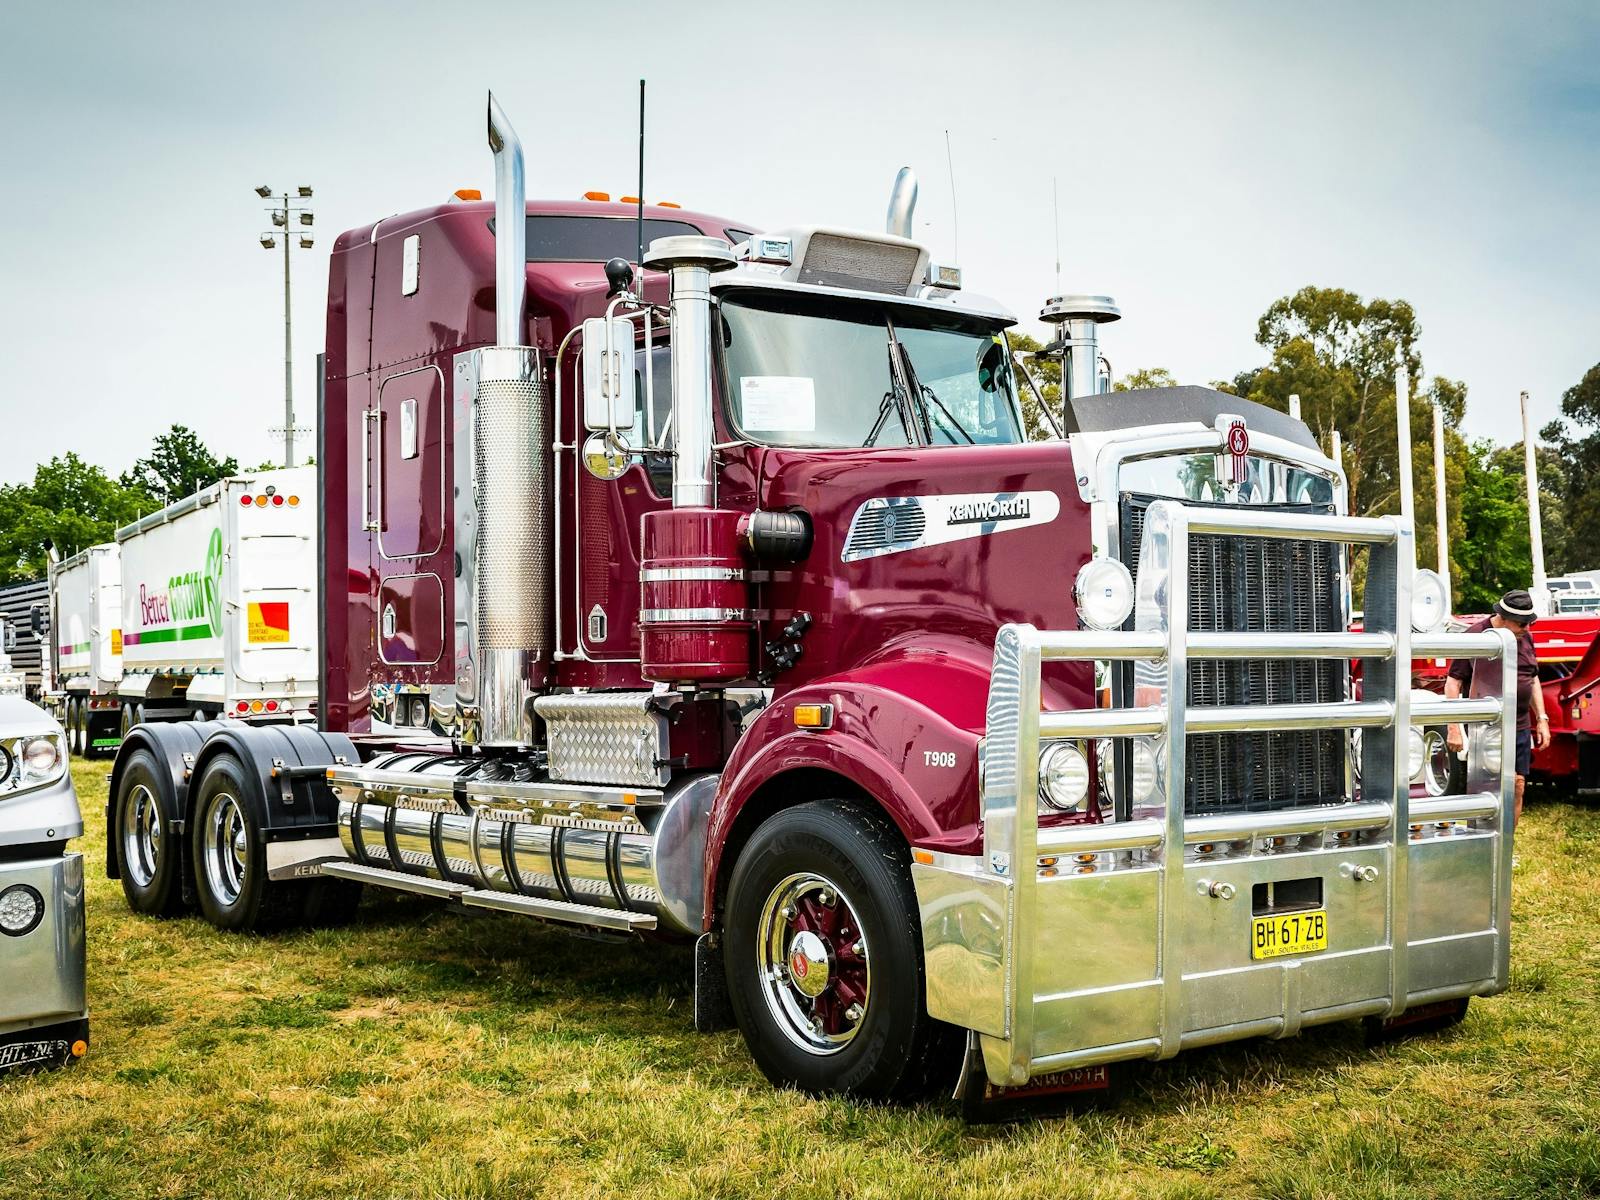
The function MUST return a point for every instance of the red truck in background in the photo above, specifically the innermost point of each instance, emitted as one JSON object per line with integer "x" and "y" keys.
{"x": 728, "y": 601}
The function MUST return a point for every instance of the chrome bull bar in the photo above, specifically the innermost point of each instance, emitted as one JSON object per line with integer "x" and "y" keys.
{"x": 1141, "y": 950}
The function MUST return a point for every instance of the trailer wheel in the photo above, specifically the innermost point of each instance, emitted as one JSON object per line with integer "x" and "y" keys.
{"x": 823, "y": 955}
{"x": 230, "y": 857}
{"x": 147, "y": 855}
{"x": 74, "y": 730}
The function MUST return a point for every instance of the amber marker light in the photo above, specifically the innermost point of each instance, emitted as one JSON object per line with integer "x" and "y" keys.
{"x": 813, "y": 716}
{"x": 294, "y": 501}
{"x": 468, "y": 194}
{"x": 261, "y": 501}
{"x": 80, "y": 1048}
{"x": 597, "y": 195}
{"x": 925, "y": 857}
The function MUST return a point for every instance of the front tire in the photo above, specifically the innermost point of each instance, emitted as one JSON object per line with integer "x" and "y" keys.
{"x": 823, "y": 956}
{"x": 147, "y": 854}
{"x": 230, "y": 855}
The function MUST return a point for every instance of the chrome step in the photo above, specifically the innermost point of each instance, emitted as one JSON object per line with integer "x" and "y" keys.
{"x": 422, "y": 885}
{"x": 560, "y": 910}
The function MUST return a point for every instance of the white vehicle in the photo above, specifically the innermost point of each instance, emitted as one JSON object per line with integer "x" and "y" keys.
{"x": 1574, "y": 585}
{"x": 86, "y": 646}
{"x": 11, "y": 681}
{"x": 44, "y": 1018}
{"x": 219, "y": 603}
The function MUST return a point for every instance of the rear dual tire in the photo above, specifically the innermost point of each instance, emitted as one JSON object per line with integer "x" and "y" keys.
{"x": 147, "y": 852}
{"x": 229, "y": 855}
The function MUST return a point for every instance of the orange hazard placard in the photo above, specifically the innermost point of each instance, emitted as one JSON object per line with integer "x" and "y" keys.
{"x": 116, "y": 641}
{"x": 269, "y": 621}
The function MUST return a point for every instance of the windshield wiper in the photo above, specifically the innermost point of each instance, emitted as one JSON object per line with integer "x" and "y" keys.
{"x": 897, "y": 398}
{"x": 925, "y": 393}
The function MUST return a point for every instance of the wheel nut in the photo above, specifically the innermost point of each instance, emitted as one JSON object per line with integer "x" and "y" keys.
{"x": 827, "y": 896}
{"x": 787, "y": 912}
{"x": 853, "y": 1013}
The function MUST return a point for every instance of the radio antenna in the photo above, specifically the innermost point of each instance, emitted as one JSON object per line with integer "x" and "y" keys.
{"x": 1055, "y": 212}
{"x": 955, "y": 216}
{"x": 639, "y": 195}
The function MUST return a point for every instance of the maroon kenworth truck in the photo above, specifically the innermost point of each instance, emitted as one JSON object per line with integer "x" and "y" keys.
{"x": 728, "y": 600}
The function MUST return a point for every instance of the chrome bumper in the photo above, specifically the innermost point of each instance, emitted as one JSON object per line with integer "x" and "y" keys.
{"x": 43, "y": 970}
{"x": 1088, "y": 944}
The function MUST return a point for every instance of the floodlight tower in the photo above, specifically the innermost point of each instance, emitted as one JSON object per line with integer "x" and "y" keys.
{"x": 286, "y": 207}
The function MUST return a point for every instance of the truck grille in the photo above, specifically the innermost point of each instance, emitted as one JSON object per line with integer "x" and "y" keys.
{"x": 1250, "y": 584}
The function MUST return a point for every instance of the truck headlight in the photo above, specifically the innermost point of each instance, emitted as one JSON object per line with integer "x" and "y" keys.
{"x": 39, "y": 759}
{"x": 1428, "y": 597}
{"x": 1063, "y": 777}
{"x": 1145, "y": 770}
{"x": 21, "y": 910}
{"x": 1104, "y": 593}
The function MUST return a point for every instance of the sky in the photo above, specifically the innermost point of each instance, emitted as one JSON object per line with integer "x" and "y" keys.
{"x": 1197, "y": 160}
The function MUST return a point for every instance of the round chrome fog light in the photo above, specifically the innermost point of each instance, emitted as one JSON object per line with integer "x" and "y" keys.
{"x": 1063, "y": 776}
{"x": 1104, "y": 593}
{"x": 21, "y": 910}
{"x": 1429, "y": 601}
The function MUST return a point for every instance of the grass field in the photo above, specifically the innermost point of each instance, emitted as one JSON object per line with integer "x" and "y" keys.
{"x": 421, "y": 1053}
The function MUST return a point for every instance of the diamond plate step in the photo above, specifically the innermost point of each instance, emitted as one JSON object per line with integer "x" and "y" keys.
{"x": 560, "y": 910}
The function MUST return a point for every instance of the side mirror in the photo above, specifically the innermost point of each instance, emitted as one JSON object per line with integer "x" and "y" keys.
{"x": 39, "y": 620}
{"x": 608, "y": 398}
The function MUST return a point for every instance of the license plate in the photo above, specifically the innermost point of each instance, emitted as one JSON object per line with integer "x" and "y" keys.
{"x": 1303, "y": 932}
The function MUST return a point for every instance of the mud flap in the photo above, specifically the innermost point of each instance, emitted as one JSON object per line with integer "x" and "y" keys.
{"x": 1424, "y": 1018}
{"x": 1056, "y": 1094}
{"x": 41, "y": 1049}
{"x": 713, "y": 1010}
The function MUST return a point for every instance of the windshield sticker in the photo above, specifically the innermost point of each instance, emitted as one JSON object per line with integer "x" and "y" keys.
{"x": 778, "y": 403}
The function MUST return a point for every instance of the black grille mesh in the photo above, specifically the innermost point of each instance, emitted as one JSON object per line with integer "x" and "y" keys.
{"x": 1247, "y": 584}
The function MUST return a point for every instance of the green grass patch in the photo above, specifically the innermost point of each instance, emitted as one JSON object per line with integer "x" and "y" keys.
{"x": 422, "y": 1053}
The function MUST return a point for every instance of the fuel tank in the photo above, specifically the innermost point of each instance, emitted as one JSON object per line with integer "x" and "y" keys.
{"x": 532, "y": 839}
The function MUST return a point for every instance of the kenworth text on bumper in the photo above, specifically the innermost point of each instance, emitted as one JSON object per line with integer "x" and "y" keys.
{"x": 724, "y": 597}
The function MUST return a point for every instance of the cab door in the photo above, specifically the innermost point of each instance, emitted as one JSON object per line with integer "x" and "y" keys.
{"x": 407, "y": 516}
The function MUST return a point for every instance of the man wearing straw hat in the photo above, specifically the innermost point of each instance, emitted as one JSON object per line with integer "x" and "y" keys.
{"x": 1513, "y": 611}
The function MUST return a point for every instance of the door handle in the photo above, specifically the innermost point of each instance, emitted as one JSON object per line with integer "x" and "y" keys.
{"x": 368, "y": 521}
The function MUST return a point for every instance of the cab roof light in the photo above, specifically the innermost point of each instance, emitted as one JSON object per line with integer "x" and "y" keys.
{"x": 668, "y": 204}
{"x": 941, "y": 276}
{"x": 777, "y": 250}
{"x": 466, "y": 194}
{"x": 597, "y": 195}
{"x": 627, "y": 199}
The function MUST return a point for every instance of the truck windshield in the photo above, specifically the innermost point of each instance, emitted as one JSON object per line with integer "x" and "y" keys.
{"x": 802, "y": 370}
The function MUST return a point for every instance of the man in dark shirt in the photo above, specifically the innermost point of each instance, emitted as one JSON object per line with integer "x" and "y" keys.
{"x": 1513, "y": 611}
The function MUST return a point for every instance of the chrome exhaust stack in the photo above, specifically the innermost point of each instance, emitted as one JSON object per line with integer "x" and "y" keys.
{"x": 690, "y": 261}
{"x": 902, "y": 204}
{"x": 510, "y": 506}
{"x": 1077, "y": 319}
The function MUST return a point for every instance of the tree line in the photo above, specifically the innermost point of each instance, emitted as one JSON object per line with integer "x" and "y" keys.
{"x": 1337, "y": 352}
{"x": 72, "y": 505}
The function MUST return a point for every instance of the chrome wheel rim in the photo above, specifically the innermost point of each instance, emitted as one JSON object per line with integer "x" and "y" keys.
{"x": 141, "y": 836}
{"x": 226, "y": 846}
{"x": 813, "y": 963}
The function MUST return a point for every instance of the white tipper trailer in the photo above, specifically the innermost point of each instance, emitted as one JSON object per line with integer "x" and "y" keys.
{"x": 85, "y": 632}
{"x": 219, "y": 595}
